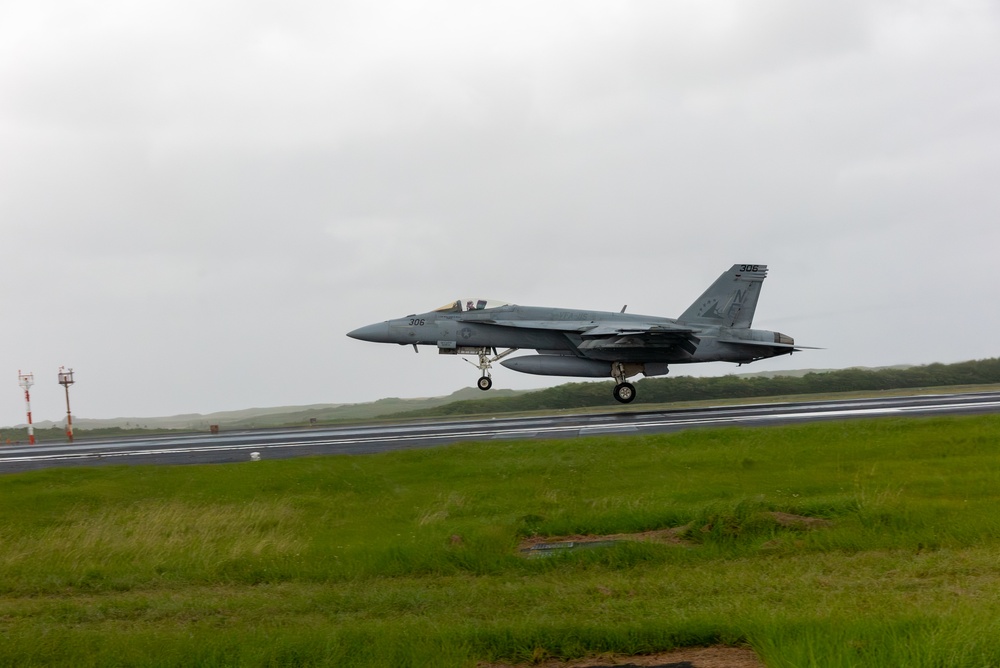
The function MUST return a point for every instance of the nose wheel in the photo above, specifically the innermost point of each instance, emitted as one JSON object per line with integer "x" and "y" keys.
{"x": 485, "y": 382}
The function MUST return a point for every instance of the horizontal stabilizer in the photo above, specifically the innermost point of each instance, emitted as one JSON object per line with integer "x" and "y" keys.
{"x": 768, "y": 344}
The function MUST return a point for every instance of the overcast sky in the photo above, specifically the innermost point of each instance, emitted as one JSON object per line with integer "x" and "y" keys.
{"x": 199, "y": 198}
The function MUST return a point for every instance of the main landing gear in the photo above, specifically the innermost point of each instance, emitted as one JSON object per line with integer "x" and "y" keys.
{"x": 485, "y": 381}
{"x": 624, "y": 391}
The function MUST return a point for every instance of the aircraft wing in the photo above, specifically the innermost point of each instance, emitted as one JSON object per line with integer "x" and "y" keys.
{"x": 556, "y": 325}
{"x": 609, "y": 336}
{"x": 589, "y": 329}
{"x": 635, "y": 329}
{"x": 612, "y": 336}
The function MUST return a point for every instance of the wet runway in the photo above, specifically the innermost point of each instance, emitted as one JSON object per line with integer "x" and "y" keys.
{"x": 367, "y": 439}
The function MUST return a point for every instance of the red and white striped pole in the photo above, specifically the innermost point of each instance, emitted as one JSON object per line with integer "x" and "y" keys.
{"x": 26, "y": 380}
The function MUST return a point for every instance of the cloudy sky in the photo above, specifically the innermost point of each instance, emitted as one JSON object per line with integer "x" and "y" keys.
{"x": 199, "y": 198}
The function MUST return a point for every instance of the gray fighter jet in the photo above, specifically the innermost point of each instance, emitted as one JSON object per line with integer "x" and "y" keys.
{"x": 595, "y": 344}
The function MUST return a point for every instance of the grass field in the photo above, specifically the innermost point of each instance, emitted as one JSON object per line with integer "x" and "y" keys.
{"x": 410, "y": 559}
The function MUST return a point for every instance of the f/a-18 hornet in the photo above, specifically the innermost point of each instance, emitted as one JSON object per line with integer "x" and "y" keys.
{"x": 596, "y": 344}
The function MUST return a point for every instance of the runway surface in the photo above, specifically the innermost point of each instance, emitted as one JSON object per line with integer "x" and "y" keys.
{"x": 367, "y": 439}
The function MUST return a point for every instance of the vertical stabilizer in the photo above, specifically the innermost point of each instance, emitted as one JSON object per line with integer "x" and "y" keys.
{"x": 731, "y": 300}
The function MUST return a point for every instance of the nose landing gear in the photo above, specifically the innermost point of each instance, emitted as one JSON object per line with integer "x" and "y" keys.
{"x": 485, "y": 381}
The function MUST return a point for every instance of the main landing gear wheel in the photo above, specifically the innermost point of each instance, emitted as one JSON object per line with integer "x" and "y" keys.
{"x": 624, "y": 392}
{"x": 484, "y": 383}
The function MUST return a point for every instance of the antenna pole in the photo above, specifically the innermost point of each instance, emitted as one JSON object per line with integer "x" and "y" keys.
{"x": 66, "y": 379}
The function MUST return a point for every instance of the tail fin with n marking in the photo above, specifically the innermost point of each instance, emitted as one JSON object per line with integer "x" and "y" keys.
{"x": 731, "y": 300}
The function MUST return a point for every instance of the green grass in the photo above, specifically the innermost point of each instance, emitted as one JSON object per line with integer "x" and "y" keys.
{"x": 409, "y": 558}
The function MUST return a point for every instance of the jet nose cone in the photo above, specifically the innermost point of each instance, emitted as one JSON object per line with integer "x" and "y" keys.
{"x": 377, "y": 333}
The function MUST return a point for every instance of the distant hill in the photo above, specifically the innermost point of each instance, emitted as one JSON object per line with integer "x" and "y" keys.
{"x": 364, "y": 411}
{"x": 186, "y": 421}
{"x": 271, "y": 417}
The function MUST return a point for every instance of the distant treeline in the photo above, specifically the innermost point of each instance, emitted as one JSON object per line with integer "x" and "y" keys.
{"x": 687, "y": 388}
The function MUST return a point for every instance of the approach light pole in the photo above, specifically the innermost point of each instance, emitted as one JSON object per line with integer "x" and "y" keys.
{"x": 66, "y": 379}
{"x": 26, "y": 380}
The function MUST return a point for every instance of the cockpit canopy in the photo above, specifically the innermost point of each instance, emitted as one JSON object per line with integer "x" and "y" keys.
{"x": 460, "y": 305}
